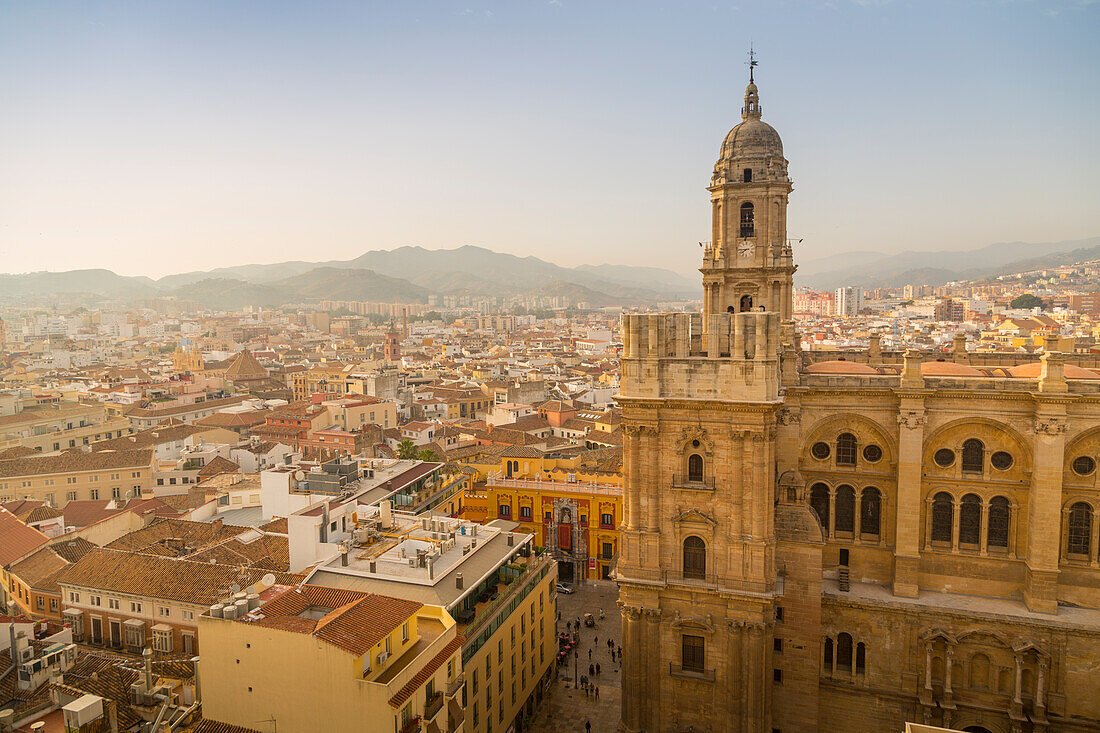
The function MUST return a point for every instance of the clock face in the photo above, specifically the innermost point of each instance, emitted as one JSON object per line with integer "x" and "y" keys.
{"x": 746, "y": 249}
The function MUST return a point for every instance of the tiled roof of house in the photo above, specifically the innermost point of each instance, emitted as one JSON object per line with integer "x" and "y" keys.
{"x": 75, "y": 461}
{"x": 354, "y": 621}
{"x": 152, "y": 576}
{"x": 147, "y": 438}
{"x": 213, "y": 726}
{"x": 40, "y": 570}
{"x": 426, "y": 672}
{"x": 218, "y": 466}
{"x": 17, "y": 540}
{"x": 277, "y": 525}
{"x": 159, "y": 535}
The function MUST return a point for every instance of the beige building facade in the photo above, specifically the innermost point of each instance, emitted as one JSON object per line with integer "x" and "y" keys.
{"x": 854, "y": 543}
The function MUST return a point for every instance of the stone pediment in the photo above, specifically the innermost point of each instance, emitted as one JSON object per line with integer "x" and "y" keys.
{"x": 694, "y": 516}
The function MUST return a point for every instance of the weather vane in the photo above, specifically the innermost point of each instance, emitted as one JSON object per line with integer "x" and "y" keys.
{"x": 752, "y": 62}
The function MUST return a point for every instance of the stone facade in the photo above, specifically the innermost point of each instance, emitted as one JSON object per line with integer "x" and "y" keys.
{"x": 847, "y": 544}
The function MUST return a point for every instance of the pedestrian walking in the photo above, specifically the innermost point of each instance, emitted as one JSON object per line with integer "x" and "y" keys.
{"x": 590, "y": 655}
{"x": 597, "y": 669}
{"x": 591, "y": 670}
{"x": 596, "y": 641}
{"x": 597, "y": 693}
{"x": 587, "y": 727}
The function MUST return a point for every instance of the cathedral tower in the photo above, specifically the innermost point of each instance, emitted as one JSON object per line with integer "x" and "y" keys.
{"x": 748, "y": 263}
{"x": 702, "y": 418}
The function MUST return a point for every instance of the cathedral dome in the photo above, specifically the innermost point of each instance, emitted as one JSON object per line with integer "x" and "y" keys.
{"x": 752, "y": 139}
{"x": 752, "y": 150}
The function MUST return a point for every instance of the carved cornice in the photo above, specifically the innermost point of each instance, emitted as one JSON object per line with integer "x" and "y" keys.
{"x": 758, "y": 408}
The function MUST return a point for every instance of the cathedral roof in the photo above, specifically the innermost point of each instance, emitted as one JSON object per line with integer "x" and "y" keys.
{"x": 943, "y": 368}
{"x": 840, "y": 366}
{"x": 751, "y": 139}
{"x": 1031, "y": 371}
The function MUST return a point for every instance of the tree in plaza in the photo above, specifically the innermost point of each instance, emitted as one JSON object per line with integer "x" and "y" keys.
{"x": 406, "y": 449}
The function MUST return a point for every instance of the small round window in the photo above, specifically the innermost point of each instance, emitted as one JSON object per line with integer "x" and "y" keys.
{"x": 872, "y": 453}
{"x": 695, "y": 444}
{"x": 1001, "y": 461}
{"x": 820, "y": 451}
{"x": 944, "y": 457}
{"x": 1083, "y": 465}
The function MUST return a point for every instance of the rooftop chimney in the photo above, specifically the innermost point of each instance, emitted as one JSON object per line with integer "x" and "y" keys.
{"x": 458, "y": 581}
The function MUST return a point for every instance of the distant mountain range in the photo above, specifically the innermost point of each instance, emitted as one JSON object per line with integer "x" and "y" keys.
{"x": 411, "y": 274}
{"x": 874, "y": 269}
{"x": 403, "y": 275}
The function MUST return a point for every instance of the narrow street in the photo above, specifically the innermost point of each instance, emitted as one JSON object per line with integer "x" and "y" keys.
{"x": 568, "y": 707}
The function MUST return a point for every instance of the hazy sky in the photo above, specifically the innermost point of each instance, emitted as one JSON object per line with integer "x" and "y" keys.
{"x": 153, "y": 137}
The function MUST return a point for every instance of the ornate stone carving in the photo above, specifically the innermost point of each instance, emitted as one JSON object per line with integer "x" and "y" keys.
{"x": 689, "y": 435}
{"x": 652, "y": 614}
{"x": 694, "y": 515}
{"x": 911, "y": 419}
{"x": 788, "y": 415}
{"x": 1050, "y": 425}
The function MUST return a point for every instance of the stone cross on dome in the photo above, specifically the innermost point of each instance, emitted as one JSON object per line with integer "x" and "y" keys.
{"x": 752, "y": 62}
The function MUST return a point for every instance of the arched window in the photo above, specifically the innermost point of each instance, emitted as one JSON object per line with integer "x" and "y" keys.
{"x": 943, "y": 514}
{"x": 695, "y": 467}
{"x": 747, "y": 219}
{"x": 870, "y": 511}
{"x": 845, "y": 509}
{"x": 828, "y": 655}
{"x": 846, "y": 449}
{"x": 844, "y": 652}
{"x": 695, "y": 558}
{"x": 1080, "y": 529}
{"x": 746, "y": 303}
{"x": 861, "y": 658}
{"x": 999, "y": 516}
{"x": 970, "y": 520}
{"x": 819, "y": 500}
{"x": 973, "y": 456}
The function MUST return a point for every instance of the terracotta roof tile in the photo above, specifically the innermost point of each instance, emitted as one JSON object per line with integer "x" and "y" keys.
{"x": 426, "y": 672}
{"x": 17, "y": 540}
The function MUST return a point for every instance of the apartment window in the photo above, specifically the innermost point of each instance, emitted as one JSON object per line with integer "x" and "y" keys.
{"x": 113, "y": 603}
{"x": 405, "y": 631}
{"x": 116, "y": 493}
{"x": 74, "y": 598}
{"x": 114, "y": 476}
{"x": 135, "y": 607}
{"x": 71, "y": 480}
{"x": 163, "y": 611}
{"x": 41, "y": 603}
{"x": 607, "y": 520}
{"x": 94, "y": 494}
{"x": 97, "y": 600}
{"x": 70, "y": 496}
{"x": 53, "y": 605}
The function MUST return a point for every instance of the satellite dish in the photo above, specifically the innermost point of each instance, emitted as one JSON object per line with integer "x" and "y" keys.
{"x": 235, "y": 588}
{"x": 268, "y": 580}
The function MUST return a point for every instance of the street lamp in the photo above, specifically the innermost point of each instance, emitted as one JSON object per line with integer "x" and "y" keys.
{"x": 576, "y": 664}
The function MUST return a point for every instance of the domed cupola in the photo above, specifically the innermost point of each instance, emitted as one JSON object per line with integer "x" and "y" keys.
{"x": 753, "y": 149}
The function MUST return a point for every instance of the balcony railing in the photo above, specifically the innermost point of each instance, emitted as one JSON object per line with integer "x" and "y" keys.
{"x": 683, "y": 482}
{"x": 432, "y": 706}
{"x": 703, "y": 675}
{"x": 580, "y": 487}
{"x": 716, "y": 582}
{"x": 411, "y": 726}
{"x": 455, "y": 685}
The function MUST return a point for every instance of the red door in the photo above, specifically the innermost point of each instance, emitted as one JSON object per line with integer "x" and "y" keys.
{"x": 565, "y": 536}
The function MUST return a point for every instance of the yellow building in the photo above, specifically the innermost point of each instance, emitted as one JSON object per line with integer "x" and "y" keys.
{"x": 490, "y": 578}
{"x": 313, "y": 658}
{"x": 73, "y": 476}
{"x": 571, "y": 506}
{"x": 60, "y": 426}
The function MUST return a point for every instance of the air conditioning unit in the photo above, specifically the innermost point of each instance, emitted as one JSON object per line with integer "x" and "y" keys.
{"x": 382, "y": 657}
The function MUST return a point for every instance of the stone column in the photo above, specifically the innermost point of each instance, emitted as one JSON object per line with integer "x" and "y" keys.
{"x": 1044, "y": 509}
{"x": 758, "y": 489}
{"x": 909, "y": 507}
{"x": 1017, "y": 696}
{"x": 950, "y": 657}
{"x": 651, "y": 691}
{"x": 1041, "y": 684}
{"x": 631, "y": 477}
{"x": 633, "y": 666}
{"x": 735, "y": 630}
{"x": 983, "y": 538}
{"x": 746, "y": 484}
{"x": 927, "y": 666}
{"x": 754, "y": 689}
{"x": 653, "y": 490}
